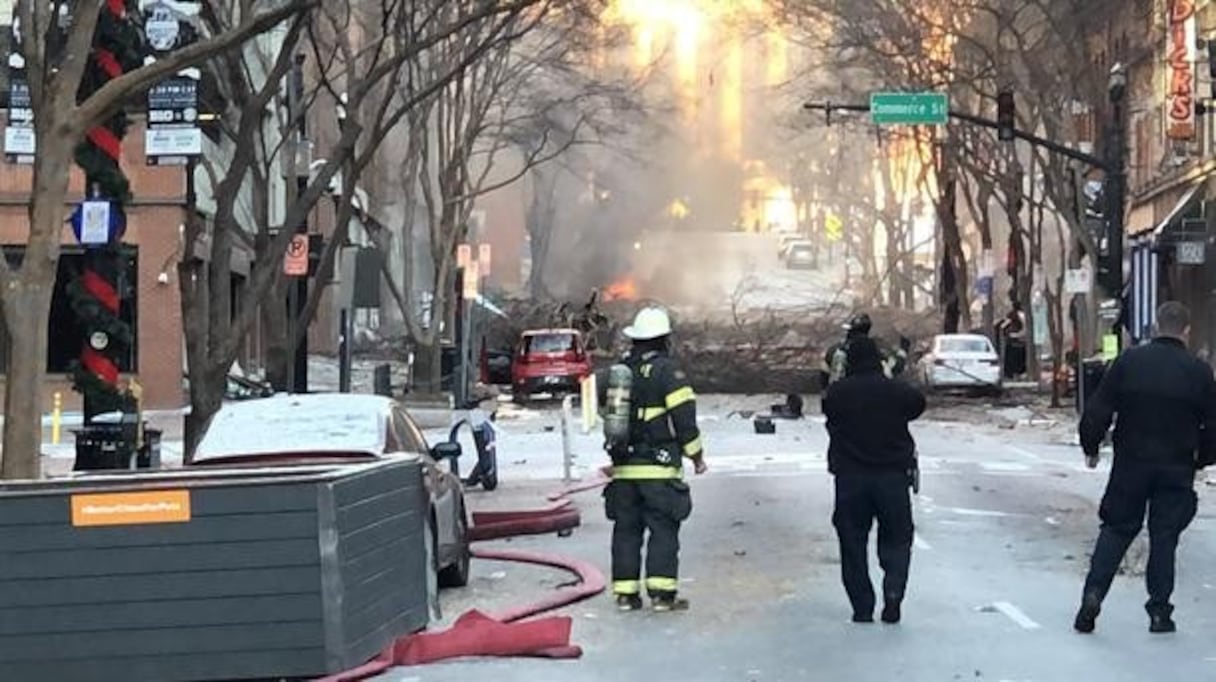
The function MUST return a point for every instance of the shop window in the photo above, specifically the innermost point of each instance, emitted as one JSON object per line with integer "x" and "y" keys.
{"x": 65, "y": 338}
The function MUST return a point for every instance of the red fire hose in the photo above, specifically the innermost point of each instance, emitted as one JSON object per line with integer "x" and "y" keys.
{"x": 505, "y": 633}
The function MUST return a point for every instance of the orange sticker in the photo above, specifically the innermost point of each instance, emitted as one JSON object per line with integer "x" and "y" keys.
{"x": 131, "y": 509}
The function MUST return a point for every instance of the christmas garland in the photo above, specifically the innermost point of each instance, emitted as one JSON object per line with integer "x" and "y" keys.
{"x": 97, "y": 292}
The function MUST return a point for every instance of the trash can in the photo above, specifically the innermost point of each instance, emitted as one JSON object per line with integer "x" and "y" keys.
{"x": 382, "y": 380}
{"x": 1089, "y": 378}
{"x": 102, "y": 446}
{"x": 109, "y": 446}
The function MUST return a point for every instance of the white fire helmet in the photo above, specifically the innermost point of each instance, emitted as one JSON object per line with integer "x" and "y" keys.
{"x": 650, "y": 323}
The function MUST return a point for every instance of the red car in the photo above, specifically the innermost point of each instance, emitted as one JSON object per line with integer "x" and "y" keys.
{"x": 549, "y": 361}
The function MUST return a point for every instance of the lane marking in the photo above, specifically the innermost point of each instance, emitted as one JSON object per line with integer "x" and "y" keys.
{"x": 919, "y": 542}
{"x": 1024, "y": 452}
{"x": 962, "y": 511}
{"x": 1016, "y": 615}
{"x": 1004, "y": 466}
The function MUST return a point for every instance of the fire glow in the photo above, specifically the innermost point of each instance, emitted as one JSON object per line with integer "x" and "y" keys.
{"x": 624, "y": 289}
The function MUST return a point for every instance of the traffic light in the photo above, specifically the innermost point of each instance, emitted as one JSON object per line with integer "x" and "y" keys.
{"x": 1006, "y": 116}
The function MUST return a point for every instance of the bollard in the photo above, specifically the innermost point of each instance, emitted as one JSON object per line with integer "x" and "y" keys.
{"x": 590, "y": 403}
{"x": 567, "y": 446}
{"x": 56, "y": 417}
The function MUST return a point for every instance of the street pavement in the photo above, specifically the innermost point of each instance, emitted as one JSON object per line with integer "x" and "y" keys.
{"x": 1005, "y": 523}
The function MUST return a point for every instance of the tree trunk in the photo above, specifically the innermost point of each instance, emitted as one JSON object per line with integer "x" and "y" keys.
{"x": 206, "y": 398}
{"x": 26, "y": 307}
{"x": 274, "y": 335}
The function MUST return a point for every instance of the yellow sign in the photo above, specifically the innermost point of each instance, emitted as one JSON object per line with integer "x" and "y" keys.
{"x": 1110, "y": 347}
{"x": 131, "y": 509}
{"x": 833, "y": 227}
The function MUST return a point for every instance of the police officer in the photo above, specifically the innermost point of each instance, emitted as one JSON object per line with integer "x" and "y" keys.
{"x": 1165, "y": 399}
{"x": 873, "y": 458}
{"x": 647, "y": 492}
{"x": 836, "y": 358}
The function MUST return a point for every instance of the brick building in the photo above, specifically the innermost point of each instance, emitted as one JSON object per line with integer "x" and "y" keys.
{"x": 1171, "y": 212}
{"x": 153, "y": 233}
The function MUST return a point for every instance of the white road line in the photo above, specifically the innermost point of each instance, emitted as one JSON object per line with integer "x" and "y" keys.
{"x": 962, "y": 511}
{"x": 1023, "y": 452}
{"x": 1004, "y": 466}
{"x": 919, "y": 542}
{"x": 1016, "y": 615}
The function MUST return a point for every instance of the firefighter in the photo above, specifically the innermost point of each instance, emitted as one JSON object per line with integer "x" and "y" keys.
{"x": 648, "y": 444}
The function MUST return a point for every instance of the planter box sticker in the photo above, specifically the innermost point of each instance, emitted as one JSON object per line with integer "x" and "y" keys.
{"x": 131, "y": 509}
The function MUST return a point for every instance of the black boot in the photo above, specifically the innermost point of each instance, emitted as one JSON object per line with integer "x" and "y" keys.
{"x": 1087, "y": 616}
{"x": 628, "y": 602}
{"x": 668, "y": 601}
{"x": 1161, "y": 623}
{"x": 891, "y": 612}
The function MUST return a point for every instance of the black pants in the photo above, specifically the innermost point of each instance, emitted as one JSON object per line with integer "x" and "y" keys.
{"x": 860, "y": 499}
{"x": 1168, "y": 496}
{"x": 637, "y": 507}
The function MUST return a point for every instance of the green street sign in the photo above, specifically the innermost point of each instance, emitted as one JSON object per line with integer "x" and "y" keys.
{"x": 909, "y": 108}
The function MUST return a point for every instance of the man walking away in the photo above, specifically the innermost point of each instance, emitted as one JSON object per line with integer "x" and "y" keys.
{"x": 1165, "y": 399}
{"x": 647, "y": 492}
{"x": 873, "y": 457}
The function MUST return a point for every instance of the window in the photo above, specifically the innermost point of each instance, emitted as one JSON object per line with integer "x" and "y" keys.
{"x": 407, "y": 431}
{"x": 957, "y": 345}
{"x": 65, "y": 339}
{"x": 550, "y": 343}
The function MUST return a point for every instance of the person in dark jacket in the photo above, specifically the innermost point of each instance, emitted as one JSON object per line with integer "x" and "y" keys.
{"x": 873, "y": 458}
{"x": 1165, "y": 399}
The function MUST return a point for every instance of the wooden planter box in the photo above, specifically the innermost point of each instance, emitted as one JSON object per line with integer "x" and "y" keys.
{"x": 210, "y": 575}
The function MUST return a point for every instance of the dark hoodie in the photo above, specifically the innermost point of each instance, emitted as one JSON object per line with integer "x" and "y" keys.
{"x": 868, "y": 416}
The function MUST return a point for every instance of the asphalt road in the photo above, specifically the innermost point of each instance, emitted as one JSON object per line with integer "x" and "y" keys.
{"x": 1004, "y": 532}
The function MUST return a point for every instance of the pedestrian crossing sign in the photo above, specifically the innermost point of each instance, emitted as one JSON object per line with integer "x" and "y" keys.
{"x": 833, "y": 227}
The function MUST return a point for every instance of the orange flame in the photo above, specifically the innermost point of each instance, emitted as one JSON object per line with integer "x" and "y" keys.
{"x": 624, "y": 289}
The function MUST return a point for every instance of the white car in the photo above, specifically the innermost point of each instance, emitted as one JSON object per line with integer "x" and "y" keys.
{"x": 800, "y": 255}
{"x": 961, "y": 361}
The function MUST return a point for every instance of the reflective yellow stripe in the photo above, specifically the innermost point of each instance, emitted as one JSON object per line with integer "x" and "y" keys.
{"x": 650, "y": 414}
{"x": 680, "y": 396}
{"x": 646, "y": 472}
{"x": 626, "y": 586}
{"x": 662, "y": 584}
{"x": 693, "y": 447}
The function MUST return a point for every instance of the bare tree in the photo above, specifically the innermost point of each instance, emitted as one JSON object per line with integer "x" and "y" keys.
{"x": 361, "y": 52}
{"x": 55, "y": 70}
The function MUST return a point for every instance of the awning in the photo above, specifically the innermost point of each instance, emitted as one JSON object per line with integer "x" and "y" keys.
{"x": 1173, "y": 219}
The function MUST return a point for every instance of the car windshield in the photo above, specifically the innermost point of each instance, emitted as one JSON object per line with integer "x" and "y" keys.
{"x": 549, "y": 343}
{"x": 963, "y": 345}
{"x": 274, "y": 426}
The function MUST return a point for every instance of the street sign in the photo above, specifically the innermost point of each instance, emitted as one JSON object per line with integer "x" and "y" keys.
{"x": 1191, "y": 252}
{"x": 470, "y": 280}
{"x": 464, "y": 254}
{"x": 909, "y": 108}
{"x": 1078, "y": 281}
{"x": 173, "y": 135}
{"x": 833, "y": 227}
{"x": 295, "y": 264}
{"x": 19, "y": 143}
{"x": 483, "y": 259}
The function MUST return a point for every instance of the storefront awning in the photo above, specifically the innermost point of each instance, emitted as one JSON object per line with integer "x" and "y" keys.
{"x": 1173, "y": 220}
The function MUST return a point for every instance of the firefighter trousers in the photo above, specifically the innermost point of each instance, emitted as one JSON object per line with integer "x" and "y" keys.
{"x": 860, "y": 499}
{"x": 638, "y": 508}
{"x": 1168, "y": 497}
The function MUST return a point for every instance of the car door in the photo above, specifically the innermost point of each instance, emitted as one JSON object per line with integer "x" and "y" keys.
{"x": 443, "y": 487}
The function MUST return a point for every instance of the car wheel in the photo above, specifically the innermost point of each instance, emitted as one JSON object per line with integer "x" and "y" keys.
{"x": 457, "y": 574}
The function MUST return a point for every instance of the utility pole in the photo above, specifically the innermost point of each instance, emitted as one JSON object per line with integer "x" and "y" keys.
{"x": 1116, "y": 186}
{"x": 297, "y": 184}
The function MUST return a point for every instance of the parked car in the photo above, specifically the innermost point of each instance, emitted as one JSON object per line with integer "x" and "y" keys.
{"x": 329, "y": 428}
{"x": 785, "y": 241}
{"x": 800, "y": 255}
{"x": 961, "y": 361}
{"x": 550, "y": 361}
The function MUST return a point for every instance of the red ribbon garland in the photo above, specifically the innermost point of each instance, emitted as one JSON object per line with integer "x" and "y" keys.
{"x": 99, "y": 365}
{"x": 107, "y": 141}
{"x": 108, "y": 62}
{"x": 105, "y": 293}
